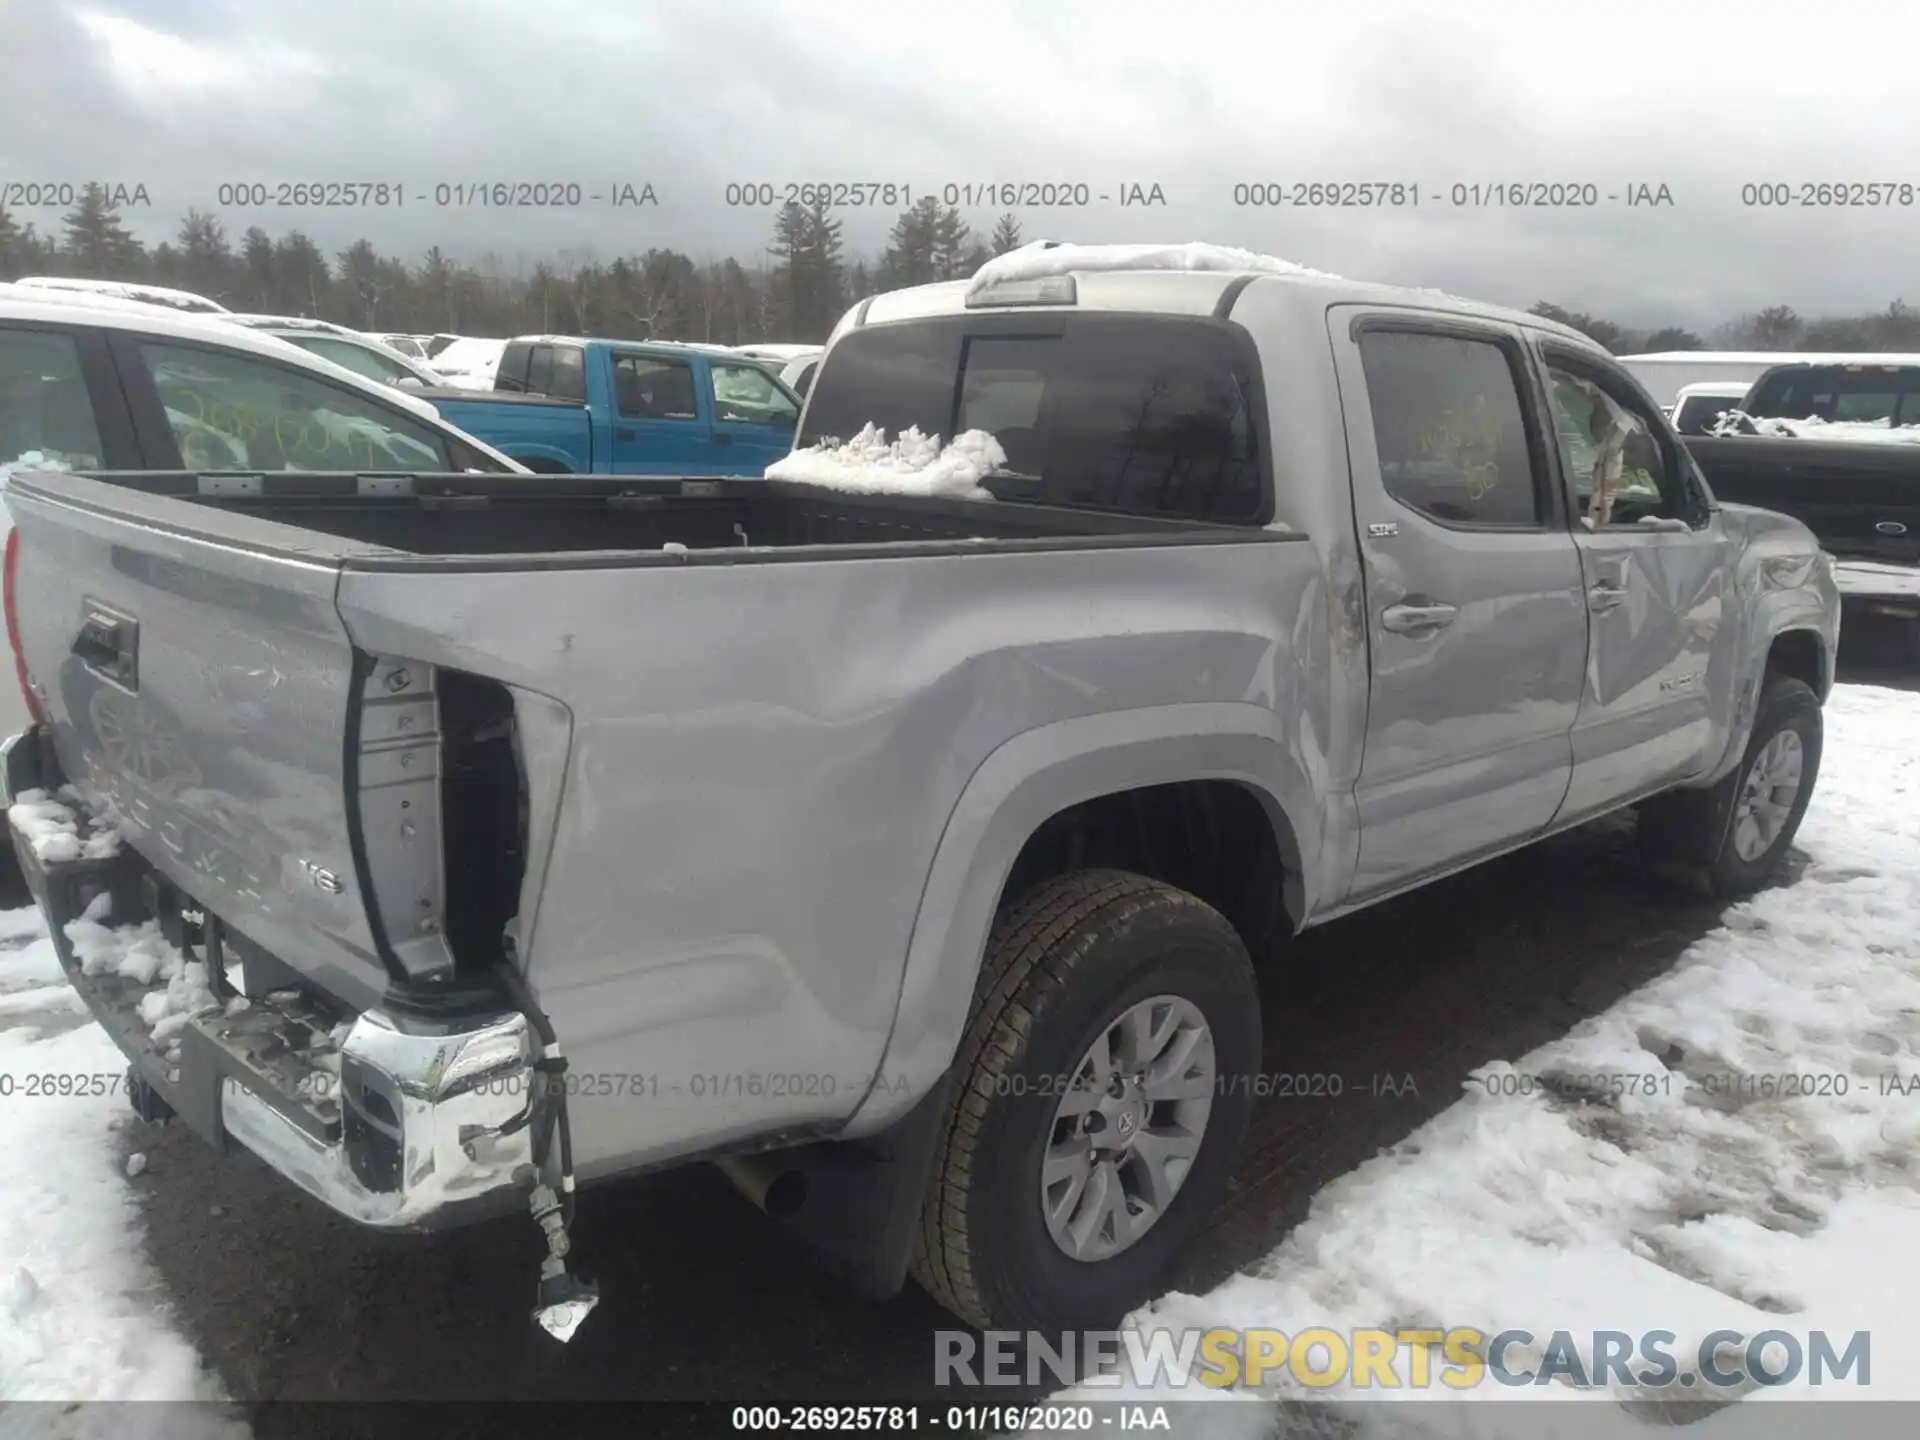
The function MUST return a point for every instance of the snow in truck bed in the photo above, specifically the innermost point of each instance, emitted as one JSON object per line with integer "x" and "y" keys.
{"x": 912, "y": 464}
{"x": 1851, "y": 432}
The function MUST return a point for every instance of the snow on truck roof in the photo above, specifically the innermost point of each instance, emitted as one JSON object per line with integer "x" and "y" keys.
{"x": 1183, "y": 278}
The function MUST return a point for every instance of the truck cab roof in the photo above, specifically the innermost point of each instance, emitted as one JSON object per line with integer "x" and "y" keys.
{"x": 1183, "y": 280}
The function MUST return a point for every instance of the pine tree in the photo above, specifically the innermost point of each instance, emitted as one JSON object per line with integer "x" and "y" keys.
{"x": 98, "y": 245}
{"x": 436, "y": 284}
{"x": 825, "y": 292}
{"x": 257, "y": 261}
{"x": 791, "y": 236}
{"x": 910, "y": 246}
{"x": 364, "y": 282}
{"x": 205, "y": 259}
{"x": 952, "y": 246}
{"x": 1006, "y": 234}
{"x": 12, "y": 242}
{"x": 303, "y": 284}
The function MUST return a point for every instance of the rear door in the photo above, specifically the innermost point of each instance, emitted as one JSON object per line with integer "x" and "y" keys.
{"x": 659, "y": 424}
{"x": 1477, "y": 624}
{"x": 754, "y": 417}
{"x": 1654, "y": 557}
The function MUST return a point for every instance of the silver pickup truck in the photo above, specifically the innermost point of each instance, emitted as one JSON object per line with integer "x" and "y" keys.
{"x": 909, "y": 857}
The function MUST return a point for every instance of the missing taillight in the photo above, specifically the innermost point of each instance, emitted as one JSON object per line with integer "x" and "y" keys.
{"x": 484, "y": 818}
{"x": 13, "y": 628}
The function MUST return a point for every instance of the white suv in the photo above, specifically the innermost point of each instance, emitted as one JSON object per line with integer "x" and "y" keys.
{"x": 95, "y": 383}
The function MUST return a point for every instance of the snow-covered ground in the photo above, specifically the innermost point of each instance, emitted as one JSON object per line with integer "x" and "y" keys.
{"x": 81, "y": 1316}
{"x": 1697, "y": 1200}
{"x": 1712, "y": 1199}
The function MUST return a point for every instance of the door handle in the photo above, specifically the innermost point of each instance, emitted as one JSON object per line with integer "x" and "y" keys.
{"x": 722, "y": 439}
{"x": 623, "y": 433}
{"x": 109, "y": 645}
{"x": 1412, "y": 619}
{"x": 1605, "y": 595}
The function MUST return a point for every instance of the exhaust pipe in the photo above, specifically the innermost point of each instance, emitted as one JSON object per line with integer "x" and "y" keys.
{"x": 776, "y": 1187}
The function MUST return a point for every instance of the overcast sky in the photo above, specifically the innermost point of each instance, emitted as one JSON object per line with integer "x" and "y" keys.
{"x": 1195, "y": 96}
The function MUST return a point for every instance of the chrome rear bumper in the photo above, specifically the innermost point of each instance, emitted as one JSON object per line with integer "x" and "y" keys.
{"x": 394, "y": 1121}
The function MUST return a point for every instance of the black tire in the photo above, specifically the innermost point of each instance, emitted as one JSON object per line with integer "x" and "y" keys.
{"x": 1061, "y": 965}
{"x": 1692, "y": 831}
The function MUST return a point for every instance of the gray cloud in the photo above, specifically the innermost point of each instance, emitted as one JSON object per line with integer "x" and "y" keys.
{"x": 1195, "y": 98}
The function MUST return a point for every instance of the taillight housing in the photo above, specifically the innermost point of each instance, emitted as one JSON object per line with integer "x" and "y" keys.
{"x": 13, "y": 628}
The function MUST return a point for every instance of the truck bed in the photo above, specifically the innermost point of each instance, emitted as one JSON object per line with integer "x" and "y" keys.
{"x": 395, "y": 732}
{"x": 493, "y": 521}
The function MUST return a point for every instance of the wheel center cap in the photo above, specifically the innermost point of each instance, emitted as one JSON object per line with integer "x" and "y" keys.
{"x": 1128, "y": 1122}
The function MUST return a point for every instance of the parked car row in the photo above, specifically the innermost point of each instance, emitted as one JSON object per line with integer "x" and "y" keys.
{"x": 906, "y": 856}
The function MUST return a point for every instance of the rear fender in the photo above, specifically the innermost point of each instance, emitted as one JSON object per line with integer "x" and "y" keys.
{"x": 1017, "y": 788}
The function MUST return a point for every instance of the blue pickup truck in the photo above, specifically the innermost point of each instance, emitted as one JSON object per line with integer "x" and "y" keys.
{"x": 565, "y": 405}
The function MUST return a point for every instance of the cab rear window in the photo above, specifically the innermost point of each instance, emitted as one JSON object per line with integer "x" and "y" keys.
{"x": 1145, "y": 415}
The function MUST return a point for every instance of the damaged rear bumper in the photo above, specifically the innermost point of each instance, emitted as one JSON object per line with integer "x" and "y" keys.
{"x": 398, "y": 1123}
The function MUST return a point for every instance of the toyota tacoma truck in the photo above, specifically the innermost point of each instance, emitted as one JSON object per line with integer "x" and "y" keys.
{"x": 1836, "y": 445}
{"x": 908, "y": 856}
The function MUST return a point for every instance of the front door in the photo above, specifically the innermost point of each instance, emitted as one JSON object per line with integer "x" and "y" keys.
{"x": 1654, "y": 559}
{"x": 753, "y": 419}
{"x": 1477, "y": 617}
{"x": 659, "y": 427}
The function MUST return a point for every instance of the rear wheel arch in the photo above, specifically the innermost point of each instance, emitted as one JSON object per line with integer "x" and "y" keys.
{"x": 1001, "y": 822}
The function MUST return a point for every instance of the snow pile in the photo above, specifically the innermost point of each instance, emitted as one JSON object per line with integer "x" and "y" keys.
{"x": 55, "y": 831}
{"x": 1735, "y": 422}
{"x": 1703, "y": 1198}
{"x": 142, "y": 954}
{"x": 81, "y": 1318}
{"x": 914, "y": 464}
{"x": 1049, "y": 257}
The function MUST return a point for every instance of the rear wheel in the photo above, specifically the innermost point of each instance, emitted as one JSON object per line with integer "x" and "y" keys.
{"x": 1102, "y": 1103}
{"x": 1733, "y": 836}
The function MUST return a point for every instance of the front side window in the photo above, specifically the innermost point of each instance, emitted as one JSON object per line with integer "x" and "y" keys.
{"x": 748, "y": 395}
{"x": 1137, "y": 414}
{"x": 1449, "y": 428}
{"x": 1618, "y": 470}
{"x": 235, "y": 412}
{"x": 45, "y": 409}
{"x": 648, "y": 388}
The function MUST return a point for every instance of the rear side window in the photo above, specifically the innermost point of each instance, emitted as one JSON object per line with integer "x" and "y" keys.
{"x": 235, "y": 412}
{"x": 1143, "y": 415}
{"x": 511, "y": 373}
{"x": 568, "y": 379}
{"x": 44, "y": 405}
{"x": 1449, "y": 428}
